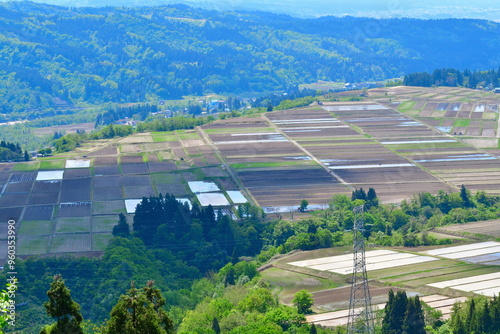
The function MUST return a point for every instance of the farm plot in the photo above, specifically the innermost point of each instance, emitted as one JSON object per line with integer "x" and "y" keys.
{"x": 131, "y": 204}
{"x": 445, "y": 158}
{"x": 74, "y": 209}
{"x": 107, "y": 193}
{"x": 77, "y": 173}
{"x": 38, "y": 198}
{"x": 75, "y": 190}
{"x": 100, "y": 241}
{"x": 139, "y": 191}
{"x": 357, "y": 160}
{"x": 108, "y": 207}
{"x": 375, "y": 260}
{"x": 10, "y": 213}
{"x": 131, "y": 159}
{"x": 105, "y": 161}
{"x": 202, "y": 187}
{"x": 4, "y": 178}
{"x": 487, "y": 284}
{"x": 107, "y": 181}
{"x": 50, "y": 175}
{"x": 33, "y": 245}
{"x": 283, "y": 187}
{"x": 7, "y": 167}
{"x": 108, "y": 150}
{"x": 38, "y": 212}
{"x": 167, "y": 166}
{"x": 71, "y": 243}
{"x": 266, "y": 163}
{"x": 47, "y": 186}
{"x": 236, "y": 197}
{"x": 485, "y": 252}
{"x": 139, "y": 168}
{"x": 104, "y": 223}
{"x": 489, "y": 227}
{"x": 440, "y": 303}
{"x": 137, "y": 139}
{"x": 12, "y": 200}
{"x": 35, "y": 227}
{"x": 18, "y": 187}
{"x": 22, "y": 176}
{"x": 214, "y": 199}
{"x": 136, "y": 180}
{"x": 106, "y": 170}
{"x": 73, "y": 225}
{"x": 178, "y": 189}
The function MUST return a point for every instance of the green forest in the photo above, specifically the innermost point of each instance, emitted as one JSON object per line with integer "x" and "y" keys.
{"x": 57, "y": 60}
{"x": 206, "y": 263}
{"x": 454, "y": 78}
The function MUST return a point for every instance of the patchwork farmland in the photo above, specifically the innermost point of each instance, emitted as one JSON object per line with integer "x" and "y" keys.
{"x": 69, "y": 203}
{"x": 274, "y": 160}
{"x": 441, "y": 276}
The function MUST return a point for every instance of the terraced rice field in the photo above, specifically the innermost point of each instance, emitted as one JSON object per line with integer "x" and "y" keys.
{"x": 466, "y": 113}
{"x": 272, "y": 167}
{"x": 451, "y": 271}
{"x": 489, "y": 228}
{"x": 70, "y": 203}
{"x": 375, "y": 260}
{"x": 444, "y": 304}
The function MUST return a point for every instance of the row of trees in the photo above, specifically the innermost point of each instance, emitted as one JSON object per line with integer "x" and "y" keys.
{"x": 140, "y": 311}
{"x": 141, "y": 112}
{"x": 202, "y": 237}
{"x": 12, "y": 152}
{"x": 453, "y": 78}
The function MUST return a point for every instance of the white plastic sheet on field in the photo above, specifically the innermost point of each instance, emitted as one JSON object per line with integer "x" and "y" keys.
{"x": 77, "y": 163}
{"x": 50, "y": 175}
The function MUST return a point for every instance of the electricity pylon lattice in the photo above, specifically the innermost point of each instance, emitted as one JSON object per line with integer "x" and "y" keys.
{"x": 360, "y": 306}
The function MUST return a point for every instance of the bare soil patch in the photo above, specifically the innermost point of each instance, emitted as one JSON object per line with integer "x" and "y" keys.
{"x": 6, "y": 166}
{"x": 137, "y": 180}
{"x": 38, "y": 212}
{"x": 10, "y": 200}
{"x": 10, "y": 213}
{"x": 161, "y": 166}
{"x": 19, "y": 187}
{"x": 74, "y": 209}
{"x": 105, "y": 161}
{"x": 76, "y": 173}
{"x": 140, "y": 168}
{"x": 107, "y": 181}
{"x": 139, "y": 192}
{"x": 108, "y": 193}
{"x": 75, "y": 190}
{"x": 37, "y": 198}
{"x": 131, "y": 159}
{"x": 175, "y": 189}
{"x": 108, "y": 150}
{"x": 106, "y": 170}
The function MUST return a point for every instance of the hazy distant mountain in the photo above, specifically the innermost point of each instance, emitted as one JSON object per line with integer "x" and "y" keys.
{"x": 482, "y": 9}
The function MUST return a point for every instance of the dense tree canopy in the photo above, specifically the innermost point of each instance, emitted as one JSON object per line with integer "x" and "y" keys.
{"x": 54, "y": 58}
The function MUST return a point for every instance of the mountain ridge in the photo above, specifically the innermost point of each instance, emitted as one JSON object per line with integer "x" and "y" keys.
{"x": 90, "y": 56}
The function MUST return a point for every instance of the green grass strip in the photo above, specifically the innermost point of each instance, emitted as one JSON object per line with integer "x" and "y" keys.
{"x": 464, "y": 122}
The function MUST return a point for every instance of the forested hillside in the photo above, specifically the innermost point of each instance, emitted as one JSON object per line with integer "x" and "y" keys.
{"x": 54, "y": 58}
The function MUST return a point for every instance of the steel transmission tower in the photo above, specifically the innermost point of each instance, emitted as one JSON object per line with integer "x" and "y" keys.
{"x": 360, "y": 306}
